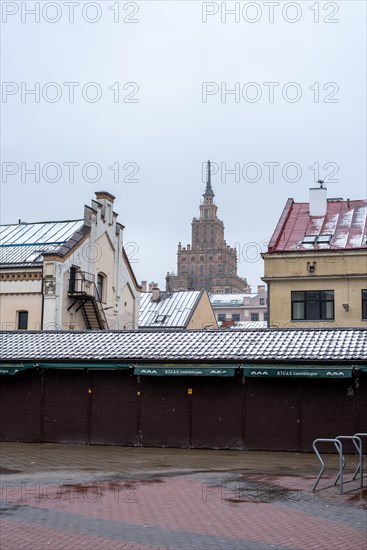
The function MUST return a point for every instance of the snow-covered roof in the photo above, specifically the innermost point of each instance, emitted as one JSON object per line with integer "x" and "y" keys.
{"x": 249, "y": 325}
{"x": 229, "y": 299}
{"x": 24, "y": 244}
{"x": 325, "y": 345}
{"x": 173, "y": 310}
{"x": 344, "y": 226}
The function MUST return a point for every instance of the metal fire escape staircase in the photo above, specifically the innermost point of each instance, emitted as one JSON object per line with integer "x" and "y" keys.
{"x": 84, "y": 292}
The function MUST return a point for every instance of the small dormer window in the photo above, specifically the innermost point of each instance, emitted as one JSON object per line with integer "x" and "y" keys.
{"x": 160, "y": 318}
{"x": 309, "y": 239}
{"x": 324, "y": 239}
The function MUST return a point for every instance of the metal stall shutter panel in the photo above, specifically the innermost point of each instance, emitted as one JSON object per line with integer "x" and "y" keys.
{"x": 20, "y": 406}
{"x": 114, "y": 408}
{"x": 66, "y": 406}
{"x": 327, "y": 410}
{"x": 216, "y": 413}
{"x": 271, "y": 414}
{"x": 164, "y": 412}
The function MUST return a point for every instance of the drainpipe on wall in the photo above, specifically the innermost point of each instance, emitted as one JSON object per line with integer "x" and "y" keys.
{"x": 43, "y": 301}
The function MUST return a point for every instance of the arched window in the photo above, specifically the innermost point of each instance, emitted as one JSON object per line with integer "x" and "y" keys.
{"x": 101, "y": 287}
{"x": 22, "y": 320}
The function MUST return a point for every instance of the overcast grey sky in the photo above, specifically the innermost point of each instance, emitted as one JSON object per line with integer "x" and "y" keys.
{"x": 160, "y": 106}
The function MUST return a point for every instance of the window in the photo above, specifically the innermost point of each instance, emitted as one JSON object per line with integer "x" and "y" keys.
{"x": 22, "y": 320}
{"x": 364, "y": 304}
{"x": 160, "y": 318}
{"x": 236, "y": 317}
{"x": 309, "y": 239}
{"x": 101, "y": 287}
{"x": 324, "y": 239}
{"x": 72, "y": 279}
{"x": 262, "y": 301}
{"x": 221, "y": 317}
{"x": 254, "y": 316}
{"x": 312, "y": 305}
{"x": 266, "y": 317}
{"x": 202, "y": 267}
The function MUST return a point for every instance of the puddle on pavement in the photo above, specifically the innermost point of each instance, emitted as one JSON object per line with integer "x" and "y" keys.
{"x": 111, "y": 485}
{"x": 4, "y": 471}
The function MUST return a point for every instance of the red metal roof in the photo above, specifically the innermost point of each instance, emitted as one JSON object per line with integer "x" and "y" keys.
{"x": 345, "y": 222}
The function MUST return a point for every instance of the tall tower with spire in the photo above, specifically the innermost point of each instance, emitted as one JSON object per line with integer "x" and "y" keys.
{"x": 208, "y": 262}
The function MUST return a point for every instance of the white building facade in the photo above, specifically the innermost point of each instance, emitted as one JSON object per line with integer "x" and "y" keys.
{"x": 69, "y": 274}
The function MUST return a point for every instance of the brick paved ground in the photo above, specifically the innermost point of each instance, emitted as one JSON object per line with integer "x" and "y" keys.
{"x": 71, "y": 497}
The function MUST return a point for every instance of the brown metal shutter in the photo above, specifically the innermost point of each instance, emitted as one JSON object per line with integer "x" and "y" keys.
{"x": 114, "y": 408}
{"x": 271, "y": 415}
{"x": 327, "y": 410}
{"x": 164, "y": 412}
{"x": 66, "y": 406}
{"x": 216, "y": 413}
{"x": 20, "y": 410}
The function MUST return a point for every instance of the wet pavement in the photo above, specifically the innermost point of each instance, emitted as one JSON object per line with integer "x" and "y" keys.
{"x": 75, "y": 496}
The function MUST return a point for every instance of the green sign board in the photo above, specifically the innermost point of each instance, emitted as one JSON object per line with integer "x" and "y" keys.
{"x": 14, "y": 368}
{"x": 100, "y": 366}
{"x": 286, "y": 371}
{"x": 184, "y": 371}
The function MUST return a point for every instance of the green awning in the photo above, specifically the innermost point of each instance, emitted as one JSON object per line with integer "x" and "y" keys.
{"x": 14, "y": 368}
{"x": 159, "y": 370}
{"x": 101, "y": 366}
{"x": 363, "y": 368}
{"x": 296, "y": 371}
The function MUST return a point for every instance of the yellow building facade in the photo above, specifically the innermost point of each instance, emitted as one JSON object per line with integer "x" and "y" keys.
{"x": 316, "y": 264}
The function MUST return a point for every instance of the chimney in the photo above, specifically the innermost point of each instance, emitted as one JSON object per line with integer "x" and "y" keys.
{"x": 226, "y": 323}
{"x": 318, "y": 200}
{"x": 168, "y": 282}
{"x": 155, "y": 294}
{"x": 144, "y": 286}
{"x": 106, "y": 200}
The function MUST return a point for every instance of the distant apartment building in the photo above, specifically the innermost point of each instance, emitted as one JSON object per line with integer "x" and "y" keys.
{"x": 70, "y": 274}
{"x": 316, "y": 263}
{"x": 208, "y": 262}
{"x": 241, "y": 308}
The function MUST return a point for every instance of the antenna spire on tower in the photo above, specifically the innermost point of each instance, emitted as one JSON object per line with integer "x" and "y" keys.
{"x": 209, "y": 191}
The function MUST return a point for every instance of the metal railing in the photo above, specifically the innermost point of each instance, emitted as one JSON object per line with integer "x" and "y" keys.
{"x": 82, "y": 284}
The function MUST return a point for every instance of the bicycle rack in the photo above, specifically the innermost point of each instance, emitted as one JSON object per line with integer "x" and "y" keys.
{"x": 337, "y": 442}
{"x": 339, "y": 448}
{"x": 360, "y": 466}
{"x": 357, "y": 442}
